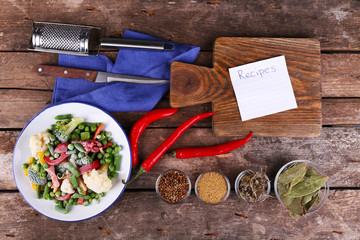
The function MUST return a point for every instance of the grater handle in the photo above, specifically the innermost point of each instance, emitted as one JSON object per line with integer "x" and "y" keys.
{"x": 134, "y": 43}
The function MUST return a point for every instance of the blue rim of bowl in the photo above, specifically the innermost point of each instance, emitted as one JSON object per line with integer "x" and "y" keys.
{"x": 223, "y": 199}
{"x": 237, "y": 181}
{"x": 317, "y": 168}
{"x": 162, "y": 174}
{"x": 54, "y": 210}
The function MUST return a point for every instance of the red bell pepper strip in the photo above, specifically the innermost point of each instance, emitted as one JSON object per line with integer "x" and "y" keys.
{"x": 57, "y": 161}
{"x": 88, "y": 167}
{"x": 81, "y": 201}
{"x": 140, "y": 126}
{"x": 107, "y": 145}
{"x": 98, "y": 130}
{"x": 192, "y": 152}
{"x": 155, "y": 156}
{"x": 90, "y": 145}
{"x": 64, "y": 198}
{"x": 60, "y": 148}
{"x": 54, "y": 179}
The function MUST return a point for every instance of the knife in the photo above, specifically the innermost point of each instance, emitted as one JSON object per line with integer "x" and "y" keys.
{"x": 94, "y": 76}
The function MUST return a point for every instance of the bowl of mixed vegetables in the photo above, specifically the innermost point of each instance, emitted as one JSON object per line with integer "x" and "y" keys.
{"x": 69, "y": 161}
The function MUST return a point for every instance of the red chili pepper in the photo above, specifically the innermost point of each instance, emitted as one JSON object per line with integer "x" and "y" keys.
{"x": 192, "y": 152}
{"x": 98, "y": 130}
{"x": 57, "y": 161}
{"x": 140, "y": 126}
{"x": 64, "y": 198}
{"x": 88, "y": 167}
{"x": 160, "y": 151}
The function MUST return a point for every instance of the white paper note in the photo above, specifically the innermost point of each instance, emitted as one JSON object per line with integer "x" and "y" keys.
{"x": 262, "y": 88}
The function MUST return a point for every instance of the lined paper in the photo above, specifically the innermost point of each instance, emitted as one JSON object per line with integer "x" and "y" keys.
{"x": 262, "y": 88}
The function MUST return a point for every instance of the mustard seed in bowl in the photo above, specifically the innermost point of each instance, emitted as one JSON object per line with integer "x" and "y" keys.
{"x": 173, "y": 186}
{"x": 212, "y": 187}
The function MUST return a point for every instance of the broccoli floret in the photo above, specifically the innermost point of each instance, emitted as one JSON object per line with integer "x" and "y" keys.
{"x": 83, "y": 161}
{"x": 62, "y": 132}
{"x": 60, "y": 168}
{"x": 35, "y": 175}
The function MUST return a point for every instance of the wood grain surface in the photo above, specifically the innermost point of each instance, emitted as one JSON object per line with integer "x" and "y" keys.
{"x": 191, "y": 85}
{"x": 142, "y": 215}
{"x": 139, "y": 213}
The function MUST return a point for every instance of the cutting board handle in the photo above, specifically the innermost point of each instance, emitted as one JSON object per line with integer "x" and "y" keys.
{"x": 190, "y": 85}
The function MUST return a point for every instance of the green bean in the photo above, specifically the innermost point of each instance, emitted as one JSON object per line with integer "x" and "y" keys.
{"x": 77, "y": 195}
{"x": 79, "y": 147}
{"x": 111, "y": 167}
{"x": 25, "y": 165}
{"x": 63, "y": 117}
{"x": 52, "y": 138}
{"x": 63, "y": 210}
{"x": 38, "y": 191}
{"x": 51, "y": 149}
{"x": 117, "y": 160}
{"x": 80, "y": 190}
{"x": 71, "y": 200}
{"x": 74, "y": 181}
{"x": 72, "y": 169}
{"x": 70, "y": 151}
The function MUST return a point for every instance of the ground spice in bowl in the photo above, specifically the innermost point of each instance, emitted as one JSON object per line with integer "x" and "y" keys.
{"x": 173, "y": 186}
{"x": 212, "y": 187}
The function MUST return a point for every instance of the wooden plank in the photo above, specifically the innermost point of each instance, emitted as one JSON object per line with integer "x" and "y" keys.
{"x": 335, "y": 24}
{"x": 330, "y": 151}
{"x": 142, "y": 215}
{"x": 30, "y": 102}
{"x": 339, "y": 72}
{"x": 340, "y": 75}
{"x": 191, "y": 84}
{"x": 341, "y": 111}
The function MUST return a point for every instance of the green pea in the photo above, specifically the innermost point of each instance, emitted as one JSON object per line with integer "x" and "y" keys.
{"x": 107, "y": 155}
{"x": 57, "y": 142}
{"x": 52, "y": 194}
{"x": 108, "y": 160}
{"x": 99, "y": 155}
{"x": 104, "y": 142}
{"x": 45, "y": 166}
{"x": 25, "y": 165}
{"x": 56, "y": 201}
{"x": 58, "y": 193}
{"x": 47, "y": 153}
{"x": 81, "y": 154}
{"x": 114, "y": 174}
{"x": 70, "y": 146}
{"x": 102, "y": 194}
{"x": 109, "y": 150}
{"x": 56, "y": 155}
{"x": 93, "y": 128}
{"x": 81, "y": 126}
{"x": 87, "y": 129}
{"x": 102, "y": 162}
{"x": 77, "y": 131}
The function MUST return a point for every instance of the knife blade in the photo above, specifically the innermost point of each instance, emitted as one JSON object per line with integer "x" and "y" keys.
{"x": 94, "y": 76}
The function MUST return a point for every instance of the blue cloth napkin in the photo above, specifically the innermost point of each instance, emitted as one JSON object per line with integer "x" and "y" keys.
{"x": 121, "y": 97}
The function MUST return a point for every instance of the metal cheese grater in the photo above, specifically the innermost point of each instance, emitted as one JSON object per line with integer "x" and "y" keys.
{"x": 82, "y": 40}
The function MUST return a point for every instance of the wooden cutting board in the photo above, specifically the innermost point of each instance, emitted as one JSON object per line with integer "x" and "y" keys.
{"x": 191, "y": 84}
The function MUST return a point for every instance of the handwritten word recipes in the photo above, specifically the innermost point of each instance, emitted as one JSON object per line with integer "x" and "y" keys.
{"x": 262, "y": 88}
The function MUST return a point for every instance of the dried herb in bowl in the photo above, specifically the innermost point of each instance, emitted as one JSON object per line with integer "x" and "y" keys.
{"x": 252, "y": 186}
{"x": 298, "y": 187}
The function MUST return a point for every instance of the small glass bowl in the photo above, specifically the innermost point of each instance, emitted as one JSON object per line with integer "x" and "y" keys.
{"x": 228, "y": 187}
{"x": 237, "y": 183}
{"x": 158, "y": 180}
{"x": 323, "y": 193}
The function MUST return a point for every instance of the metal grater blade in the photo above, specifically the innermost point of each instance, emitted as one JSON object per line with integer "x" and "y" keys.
{"x": 61, "y": 38}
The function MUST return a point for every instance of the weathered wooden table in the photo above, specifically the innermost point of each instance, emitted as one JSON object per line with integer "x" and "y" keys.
{"x": 139, "y": 213}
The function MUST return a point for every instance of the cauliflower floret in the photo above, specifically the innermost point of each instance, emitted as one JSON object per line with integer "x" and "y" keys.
{"x": 66, "y": 186}
{"x": 38, "y": 143}
{"x": 97, "y": 181}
